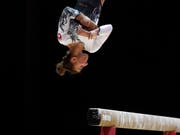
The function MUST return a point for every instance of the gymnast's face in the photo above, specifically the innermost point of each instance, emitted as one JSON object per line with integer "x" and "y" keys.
{"x": 80, "y": 61}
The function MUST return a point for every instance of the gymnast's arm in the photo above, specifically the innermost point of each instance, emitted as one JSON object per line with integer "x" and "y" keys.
{"x": 90, "y": 34}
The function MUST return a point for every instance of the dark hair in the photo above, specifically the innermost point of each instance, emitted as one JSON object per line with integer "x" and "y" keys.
{"x": 65, "y": 65}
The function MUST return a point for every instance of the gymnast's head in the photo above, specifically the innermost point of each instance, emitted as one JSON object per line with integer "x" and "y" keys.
{"x": 74, "y": 60}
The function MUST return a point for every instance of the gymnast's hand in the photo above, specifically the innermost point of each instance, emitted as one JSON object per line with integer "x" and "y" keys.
{"x": 93, "y": 33}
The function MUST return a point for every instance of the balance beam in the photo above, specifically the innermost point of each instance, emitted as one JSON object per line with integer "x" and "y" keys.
{"x": 130, "y": 120}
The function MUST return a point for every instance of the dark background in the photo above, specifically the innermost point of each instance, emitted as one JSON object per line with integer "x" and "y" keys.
{"x": 136, "y": 70}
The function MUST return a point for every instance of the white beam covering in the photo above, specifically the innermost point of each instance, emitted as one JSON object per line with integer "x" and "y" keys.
{"x": 130, "y": 120}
